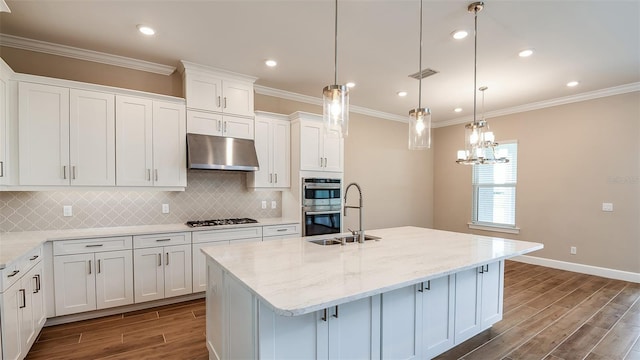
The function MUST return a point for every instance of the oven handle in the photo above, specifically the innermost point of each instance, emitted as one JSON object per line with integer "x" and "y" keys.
{"x": 322, "y": 187}
{"x": 321, "y": 212}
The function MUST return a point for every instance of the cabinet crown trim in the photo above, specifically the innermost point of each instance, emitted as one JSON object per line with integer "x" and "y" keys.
{"x": 186, "y": 66}
{"x": 301, "y": 115}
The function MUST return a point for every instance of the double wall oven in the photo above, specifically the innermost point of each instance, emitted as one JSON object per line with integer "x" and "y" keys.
{"x": 321, "y": 206}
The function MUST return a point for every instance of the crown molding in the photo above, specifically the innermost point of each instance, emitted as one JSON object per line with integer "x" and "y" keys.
{"x": 287, "y": 95}
{"x": 596, "y": 94}
{"x": 83, "y": 54}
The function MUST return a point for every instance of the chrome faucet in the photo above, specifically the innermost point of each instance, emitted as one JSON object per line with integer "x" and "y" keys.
{"x": 360, "y": 232}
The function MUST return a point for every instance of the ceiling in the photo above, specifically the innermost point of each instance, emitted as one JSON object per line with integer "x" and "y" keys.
{"x": 594, "y": 42}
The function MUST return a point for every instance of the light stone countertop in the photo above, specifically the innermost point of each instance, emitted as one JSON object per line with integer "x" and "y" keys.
{"x": 297, "y": 277}
{"x": 15, "y": 244}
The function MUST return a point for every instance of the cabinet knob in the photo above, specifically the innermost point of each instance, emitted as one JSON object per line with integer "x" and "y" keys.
{"x": 276, "y": 177}
{"x": 1, "y": 168}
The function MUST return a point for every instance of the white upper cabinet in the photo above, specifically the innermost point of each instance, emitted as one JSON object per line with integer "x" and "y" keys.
{"x": 43, "y": 125}
{"x": 82, "y": 135}
{"x": 67, "y": 136}
{"x": 200, "y": 122}
{"x": 134, "y": 147}
{"x": 273, "y": 147}
{"x": 219, "y": 100}
{"x": 169, "y": 144}
{"x": 5, "y": 74}
{"x": 320, "y": 150}
{"x": 150, "y": 143}
{"x": 92, "y": 138}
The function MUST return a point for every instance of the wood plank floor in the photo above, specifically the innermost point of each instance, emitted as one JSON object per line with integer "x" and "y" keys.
{"x": 549, "y": 314}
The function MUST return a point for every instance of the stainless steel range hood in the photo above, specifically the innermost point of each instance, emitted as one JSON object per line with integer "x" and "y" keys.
{"x": 221, "y": 153}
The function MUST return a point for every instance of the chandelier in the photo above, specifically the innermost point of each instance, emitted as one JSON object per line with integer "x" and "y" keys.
{"x": 480, "y": 145}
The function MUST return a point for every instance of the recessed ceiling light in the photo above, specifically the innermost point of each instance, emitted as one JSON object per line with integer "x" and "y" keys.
{"x": 402, "y": 93}
{"x": 525, "y": 53}
{"x": 146, "y": 30}
{"x": 572, "y": 83}
{"x": 271, "y": 63}
{"x": 350, "y": 84}
{"x": 459, "y": 34}
{"x": 457, "y": 109}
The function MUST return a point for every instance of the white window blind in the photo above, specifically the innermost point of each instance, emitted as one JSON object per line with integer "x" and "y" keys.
{"x": 494, "y": 190}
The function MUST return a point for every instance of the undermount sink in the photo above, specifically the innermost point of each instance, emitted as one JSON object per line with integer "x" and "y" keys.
{"x": 337, "y": 240}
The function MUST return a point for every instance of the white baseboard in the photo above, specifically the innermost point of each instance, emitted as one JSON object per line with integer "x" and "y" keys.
{"x": 120, "y": 309}
{"x": 581, "y": 268}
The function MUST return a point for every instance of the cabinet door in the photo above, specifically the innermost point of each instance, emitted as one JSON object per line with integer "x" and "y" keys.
{"x": 169, "y": 144}
{"x": 492, "y": 285}
{"x": 467, "y": 309}
{"x": 236, "y": 127}
{"x": 148, "y": 275}
{"x": 10, "y": 314}
{"x": 114, "y": 278}
{"x": 281, "y": 149}
{"x": 27, "y": 321}
{"x": 238, "y": 98}
{"x": 311, "y": 142}
{"x": 204, "y": 123}
{"x": 4, "y": 115}
{"x": 354, "y": 329}
{"x": 437, "y": 316}
{"x": 291, "y": 337}
{"x": 37, "y": 297}
{"x": 177, "y": 270}
{"x": 134, "y": 159}
{"x": 203, "y": 92}
{"x": 401, "y": 323}
{"x": 200, "y": 265}
{"x": 333, "y": 149}
{"x": 74, "y": 282}
{"x": 43, "y": 124}
{"x": 264, "y": 176}
{"x": 92, "y": 133}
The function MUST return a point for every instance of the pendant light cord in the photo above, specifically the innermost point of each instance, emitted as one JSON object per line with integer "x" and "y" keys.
{"x": 475, "y": 63}
{"x": 335, "y": 49}
{"x": 420, "y": 63}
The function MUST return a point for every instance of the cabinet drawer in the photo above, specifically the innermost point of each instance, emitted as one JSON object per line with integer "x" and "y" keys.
{"x": 83, "y": 246}
{"x": 277, "y": 230}
{"x": 227, "y": 234}
{"x": 15, "y": 270}
{"x": 155, "y": 240}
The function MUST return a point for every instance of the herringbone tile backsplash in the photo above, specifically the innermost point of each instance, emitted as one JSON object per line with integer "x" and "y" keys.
{"x": 209, "y": 195}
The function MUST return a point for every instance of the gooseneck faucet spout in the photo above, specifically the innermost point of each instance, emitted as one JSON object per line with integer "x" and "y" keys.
{"x": 360, "y": 232}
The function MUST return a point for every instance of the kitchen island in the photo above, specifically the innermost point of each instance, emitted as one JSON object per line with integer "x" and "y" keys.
{"x": 412, "y": 294}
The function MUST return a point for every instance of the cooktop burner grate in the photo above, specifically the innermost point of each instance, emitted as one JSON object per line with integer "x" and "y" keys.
{"x": 216, "y": 222}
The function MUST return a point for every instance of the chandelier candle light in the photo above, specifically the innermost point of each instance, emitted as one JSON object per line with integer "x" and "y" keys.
{"x": 335, "y": 97}
{"x": 420, "y": 118}
{"x": 480, "y": 145}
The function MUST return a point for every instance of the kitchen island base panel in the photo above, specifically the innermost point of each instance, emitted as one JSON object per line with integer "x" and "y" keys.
{"x": 423, "y": 315}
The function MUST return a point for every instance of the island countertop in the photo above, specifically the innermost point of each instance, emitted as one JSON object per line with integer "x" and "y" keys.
{"x": 297, "y": 277}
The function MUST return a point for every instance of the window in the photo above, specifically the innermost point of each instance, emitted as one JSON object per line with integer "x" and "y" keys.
{"x": 494, "y": 191}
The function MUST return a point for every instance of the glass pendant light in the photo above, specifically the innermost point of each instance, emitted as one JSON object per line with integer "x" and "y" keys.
{"x": 420, "y": 118}
{"x": 335, "y": 114}
{"x": 479, "y": 140}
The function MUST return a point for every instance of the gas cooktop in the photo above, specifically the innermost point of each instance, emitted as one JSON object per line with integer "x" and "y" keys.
{"x": 216, "y": 222}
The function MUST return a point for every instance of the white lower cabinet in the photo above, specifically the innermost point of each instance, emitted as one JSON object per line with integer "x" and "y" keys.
{"x": 95, "y": 274}
{"x": 478, "y": 300}
{"x": 437, "y": 315}
{"x": 278, "y": 232}
{"x": 202, "y": 239}
{"x": 162, "y": 266}
{"x": 22, "y": 306}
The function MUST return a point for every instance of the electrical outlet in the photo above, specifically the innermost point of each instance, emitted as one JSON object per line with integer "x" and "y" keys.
{"x": 573, "y": 250}
{"x": 607, "y": 206}
{"x": 165, "y": 208}
{"x": 67, "y": 210}
{"x": 274, "y": 204}
{"x": 264, "y": 204}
